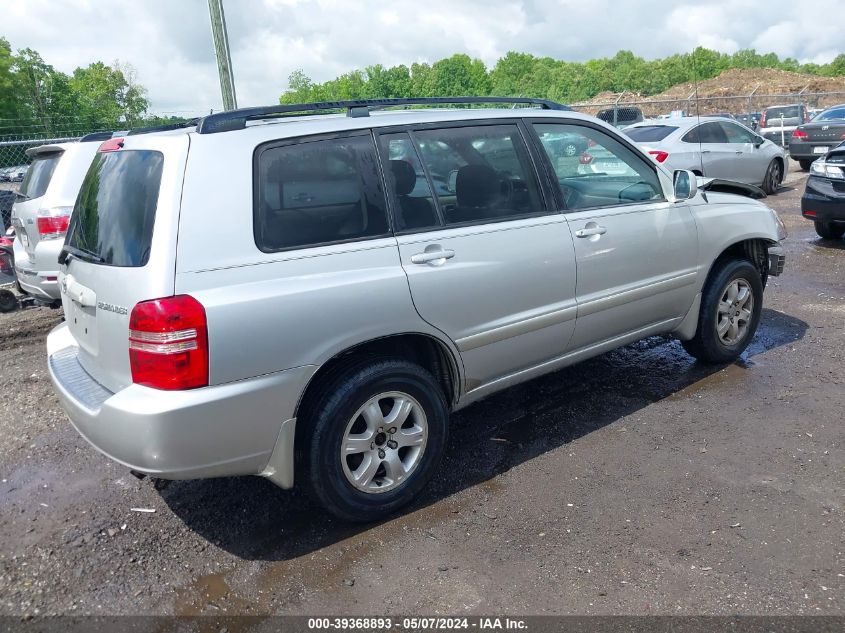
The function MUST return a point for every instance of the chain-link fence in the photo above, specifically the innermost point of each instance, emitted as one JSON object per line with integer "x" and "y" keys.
{"x": 627, "y": 108}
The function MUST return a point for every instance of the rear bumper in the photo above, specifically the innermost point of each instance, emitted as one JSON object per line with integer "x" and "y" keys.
{"x": 38, "y": 273}
{"x": 822, "y": 202}
{"x": 778, "y": 136}
{"x": 223, "y": 430}
{"x": 804, "y": 149}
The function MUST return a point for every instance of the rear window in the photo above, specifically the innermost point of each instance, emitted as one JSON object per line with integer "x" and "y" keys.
{"x": 38, "y": 175}
{"x": 318, "y": 192}
{"x": 649, "y": 133}
{"x": 788, "y": 112}
{"x": 836, "y": 114}
{"x": 115, "y": 210}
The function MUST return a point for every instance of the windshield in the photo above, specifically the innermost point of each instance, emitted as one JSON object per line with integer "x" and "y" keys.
{"x": 649, "y": 133}
{"x": 38, "y": 175}
{"x": 834, "y": 114}
{"x": 115, "y": 210}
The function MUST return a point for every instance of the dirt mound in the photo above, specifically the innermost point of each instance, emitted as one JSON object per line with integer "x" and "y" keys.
{"x": 760, "y": 81}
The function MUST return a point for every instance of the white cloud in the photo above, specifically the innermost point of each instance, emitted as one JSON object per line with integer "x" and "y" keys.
{"x": 169, "y": 41}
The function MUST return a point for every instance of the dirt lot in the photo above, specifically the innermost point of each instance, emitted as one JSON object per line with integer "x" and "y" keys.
{"x": 636, "y": 483}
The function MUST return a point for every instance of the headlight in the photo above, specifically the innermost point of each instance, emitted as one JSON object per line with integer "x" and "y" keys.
{"x": 827, "y": 170}
{"x": 781, "y": 226}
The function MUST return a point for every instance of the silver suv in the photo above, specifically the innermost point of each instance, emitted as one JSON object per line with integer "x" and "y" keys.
{"x": 308, "y": 296}
{"x": 42, "y": 212}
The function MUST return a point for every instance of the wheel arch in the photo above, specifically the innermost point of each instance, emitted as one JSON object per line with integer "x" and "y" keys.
{"x": 430, "y": 352}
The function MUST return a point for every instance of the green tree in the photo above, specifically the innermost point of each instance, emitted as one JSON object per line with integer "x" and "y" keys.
{"x": 105, "y": 95}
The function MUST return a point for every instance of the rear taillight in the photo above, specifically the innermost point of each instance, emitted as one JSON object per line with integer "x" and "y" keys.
{"x": 763, "y": 120}
{"x": 659, "y": 156}
{"x": 585, "y": 158}
{"x": 168, "y": 343}
{"x": 809, "y": 214}
{"x": 53, "y": 223}
{"x": 799, "y": 134}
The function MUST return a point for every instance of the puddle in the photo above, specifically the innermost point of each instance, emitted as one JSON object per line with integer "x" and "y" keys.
{"x": 209, "y": 595}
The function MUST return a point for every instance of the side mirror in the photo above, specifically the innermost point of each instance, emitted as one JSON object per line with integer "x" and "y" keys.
{"x": 452, "y": 184}
{"x": 686, "y": 185}
{"x": 759, "y": 141}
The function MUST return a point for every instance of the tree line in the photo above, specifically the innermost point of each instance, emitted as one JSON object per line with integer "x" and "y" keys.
{"x": 37, "y": 99}
{"x": 523, "y": 74}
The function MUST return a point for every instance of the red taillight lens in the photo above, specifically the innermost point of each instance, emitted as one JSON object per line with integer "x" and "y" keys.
{"x": 168, "y": 343}
{"x": 799, "y": 134}
{"x": 112, "y": 145}
{"x": 763, "y": 120}
{"x": 809, "y": 214}
{"x": 52, "y": 226}
{"x": 659, "y": 156}
{"x": 585, "y": 158}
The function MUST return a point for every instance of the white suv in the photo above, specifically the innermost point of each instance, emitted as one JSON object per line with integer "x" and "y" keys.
{"x": 308, "y": 296}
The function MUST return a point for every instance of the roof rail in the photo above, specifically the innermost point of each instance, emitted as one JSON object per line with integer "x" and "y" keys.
{"x": 96, "y": 136}
{"x": 164, "y": 127}
{"x": 236, "y": 119}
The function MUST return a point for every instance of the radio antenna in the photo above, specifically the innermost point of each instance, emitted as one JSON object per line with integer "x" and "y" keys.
{"x": 697, "y": 112}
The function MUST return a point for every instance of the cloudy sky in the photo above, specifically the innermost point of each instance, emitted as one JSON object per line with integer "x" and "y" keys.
{"x": 169, "y": 41}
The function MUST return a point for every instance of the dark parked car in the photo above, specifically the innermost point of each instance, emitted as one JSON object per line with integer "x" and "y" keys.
{"x": 816, "y": 138}
{"x": 823, "y": 201}
{"x": 7, "y": 199}
{"x": 750, "y": 120}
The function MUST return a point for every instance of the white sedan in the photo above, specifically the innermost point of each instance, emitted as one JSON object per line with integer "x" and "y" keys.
{"x": 713, "y": 147}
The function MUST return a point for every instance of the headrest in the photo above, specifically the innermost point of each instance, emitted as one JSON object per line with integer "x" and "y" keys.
{"x": 477, "y": 186}
{"x": 404, "y": 177}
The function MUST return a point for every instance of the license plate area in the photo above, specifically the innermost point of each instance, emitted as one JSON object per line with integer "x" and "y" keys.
{"x": 82, "y": 321}
{"x": 820, "y": 149}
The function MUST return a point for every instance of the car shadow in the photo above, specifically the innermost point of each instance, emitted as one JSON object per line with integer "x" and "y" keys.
{"x": 253, "y": 519}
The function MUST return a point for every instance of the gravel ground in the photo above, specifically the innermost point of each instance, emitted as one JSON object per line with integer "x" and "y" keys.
{"x": 638, "y": 482}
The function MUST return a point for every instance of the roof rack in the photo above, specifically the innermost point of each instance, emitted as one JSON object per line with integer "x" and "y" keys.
{"x": 96, "y": 136}
{"x": 163, "y": 128}
{"x": 236, "y": 119}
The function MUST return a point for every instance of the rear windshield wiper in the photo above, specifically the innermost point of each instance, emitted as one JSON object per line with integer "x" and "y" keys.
{"x": 80, "y": 253}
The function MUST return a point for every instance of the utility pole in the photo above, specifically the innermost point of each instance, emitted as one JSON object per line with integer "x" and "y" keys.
{"x": 221, "y": 49}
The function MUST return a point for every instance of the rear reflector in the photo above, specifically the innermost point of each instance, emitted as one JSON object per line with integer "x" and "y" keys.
{"x": 168, "y": 343}
{"x": 112, "y": 145}
{"x": 809, "y": 214}
{"x": 52, "y": 226}
{"x": 659, "y": 156}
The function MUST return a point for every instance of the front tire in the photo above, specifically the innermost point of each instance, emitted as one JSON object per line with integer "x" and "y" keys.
{"x": 805, "y": 164}
{"x": 731, "y": 303}
{"x": 773, "y": 177}
{"x": 830, "y": 230}
{"x": 373, "y": 438}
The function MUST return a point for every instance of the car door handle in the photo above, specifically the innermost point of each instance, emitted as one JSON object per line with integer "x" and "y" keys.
{"x": 429, "y": 257}
{"x": 705, "y": 151}
{"x": 592, "y": 230}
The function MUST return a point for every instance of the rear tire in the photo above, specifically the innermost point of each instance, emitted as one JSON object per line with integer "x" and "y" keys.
{"x": 773, "y": 177}
{"x": 830, "y": 230}
{"x": 8, "y": 301}
{"x": 731, "y": 303}
{"x": 373, "y": 438}
{"x": 805, "y": 164}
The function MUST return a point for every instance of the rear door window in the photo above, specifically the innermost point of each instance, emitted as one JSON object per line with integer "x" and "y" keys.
{"x": 38, "y": 175}
{"x": 115, "y": 211}
{"x": 317, "y": 192}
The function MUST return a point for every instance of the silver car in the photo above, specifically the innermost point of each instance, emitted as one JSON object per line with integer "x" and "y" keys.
{"x": 42, "y": 213}
{"x": 308, "y": 298}
{"x": 714, "y": 148}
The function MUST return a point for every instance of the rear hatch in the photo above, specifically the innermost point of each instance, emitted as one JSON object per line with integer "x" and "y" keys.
{"x": 25, "y": 211}
{"x": 121, "y": 247}
{"x": 784, "y": 117}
